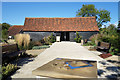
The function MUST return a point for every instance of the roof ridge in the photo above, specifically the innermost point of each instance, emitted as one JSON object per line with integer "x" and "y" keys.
{"x": 61, "y": 17}
{"x": 18, "y": 25}
{"x": 60, "y": 24}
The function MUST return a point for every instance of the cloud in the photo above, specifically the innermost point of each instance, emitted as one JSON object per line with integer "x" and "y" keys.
{"x": 107, "y": 24}
{"x": 116, "y": 23}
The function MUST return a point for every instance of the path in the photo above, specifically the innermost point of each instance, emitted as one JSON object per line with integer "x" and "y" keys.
{"x": 70, "y": 50}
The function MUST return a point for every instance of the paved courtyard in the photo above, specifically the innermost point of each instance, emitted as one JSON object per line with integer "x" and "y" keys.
{"x": 69, "y": 50}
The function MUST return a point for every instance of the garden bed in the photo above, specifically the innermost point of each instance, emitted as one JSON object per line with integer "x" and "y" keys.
{"x": 105, "y": 55}
{"x": 41, "y": 47}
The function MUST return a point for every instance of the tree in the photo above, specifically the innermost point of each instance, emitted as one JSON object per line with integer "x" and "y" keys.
{"x": 87, "y": 11}
{"x": 119, "y": 24}
{"x": 5, "y": 27}
{"x": 102, "y": 16}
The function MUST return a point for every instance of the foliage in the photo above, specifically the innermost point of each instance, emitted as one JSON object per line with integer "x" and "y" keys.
{"x": 102, "y": 16}
{"x": 87, "y": 11}
{"x": 8, "y": 70}
{"x": 41, "y": 47}
{"x": 4, "y": 34}
{"x": 50, "y": 39}
{"x": 5, "y": 27}
{"x": 89, "y": 44}
{"x": 23, "y": 41}
{"x": 109, "y": 35}
{"x": 96, "y": 38}
{"x": 113, "y": 50}
{"x": 47, "y": 40}
{"x": 78, "y": 38}
{"x": 119, "y": 24}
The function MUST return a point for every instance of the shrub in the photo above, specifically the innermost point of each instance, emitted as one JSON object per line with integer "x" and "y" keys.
{"x": 108, "y": 35}
{"x": 50, "y": 39}
{"x": 47, "y": 40}
{"x": 89, "y": 44}
{"x": 41, "y": 47}
{"x": 8, "y": 70}
{"x": 42, "y": 41}
{"x": 22, "y": 40}
{"x": 5, "y": 34}
{"x": 113, "y": 50}
{"x": 78, "y": 38}
{"x": 96, "y": 38}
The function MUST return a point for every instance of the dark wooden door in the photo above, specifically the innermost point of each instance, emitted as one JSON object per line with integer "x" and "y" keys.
{"x": 62, "y": 36}
{"x": 67, "y": 36}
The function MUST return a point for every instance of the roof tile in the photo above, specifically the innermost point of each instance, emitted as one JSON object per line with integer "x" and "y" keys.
{"x": 15, "y": 29}
{"x": 61, "y": 24}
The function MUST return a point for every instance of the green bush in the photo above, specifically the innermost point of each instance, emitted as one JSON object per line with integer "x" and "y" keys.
{"x": 113, "y": 50}
{"x": 41, "y": 47}
{"x": 109, "y": 35}
{"x": 89, "y": 44}
{"x": 78, "y": 38}
{"x": 8, "y": 70}
{"x": 47, "y": 40}
{"x": 50, "y": 39}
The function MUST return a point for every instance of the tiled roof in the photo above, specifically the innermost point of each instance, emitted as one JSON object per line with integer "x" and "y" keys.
{"x": 13, "y": 30}
{"x": 61, "y": 24}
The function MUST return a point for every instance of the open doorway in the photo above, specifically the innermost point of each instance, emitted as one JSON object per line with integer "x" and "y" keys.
{"x": 65, "y": 36}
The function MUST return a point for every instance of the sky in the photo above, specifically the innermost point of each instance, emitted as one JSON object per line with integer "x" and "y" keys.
{"x": 14, "y": 13}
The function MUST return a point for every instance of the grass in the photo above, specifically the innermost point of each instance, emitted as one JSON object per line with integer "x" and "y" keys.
{"x": 22, "y": 39}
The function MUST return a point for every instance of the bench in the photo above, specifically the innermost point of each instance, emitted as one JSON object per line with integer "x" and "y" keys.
{"x": 103, "y": 46}
{"x": 10, "y": 51}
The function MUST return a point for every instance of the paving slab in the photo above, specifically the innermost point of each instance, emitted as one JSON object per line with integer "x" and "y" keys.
{"x": 114, "y": 57}
{"x": 34, "y": 52}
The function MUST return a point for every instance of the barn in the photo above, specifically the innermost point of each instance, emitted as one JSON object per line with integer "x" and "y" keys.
{"x": 66, "y": 28}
